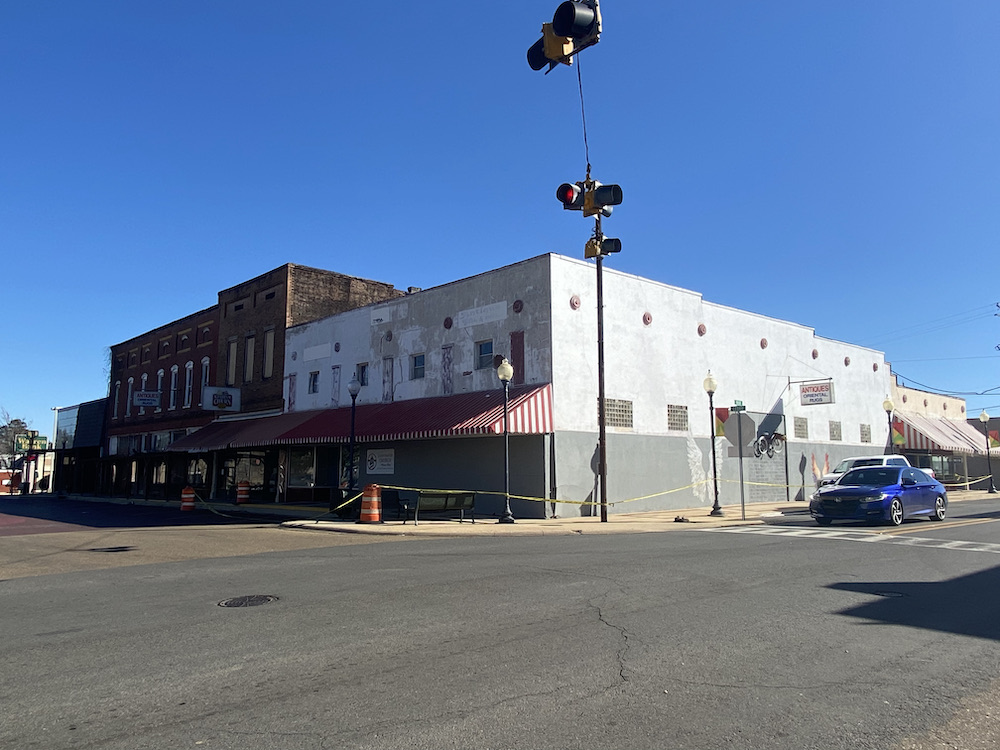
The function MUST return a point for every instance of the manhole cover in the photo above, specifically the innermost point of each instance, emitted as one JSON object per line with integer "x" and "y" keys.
{"x": 253, "y": 600}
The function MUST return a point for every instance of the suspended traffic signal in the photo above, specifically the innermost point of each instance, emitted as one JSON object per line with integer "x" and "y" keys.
{"x": 570, "y": 194}
{"x": 575, "y": 26}
{"x": 603, "y": 246}
{"x": 575, "y": 20}
{"x": 600, "y": 198}
{"x": 589, "y": 196}
{"x": 550, "y": 49}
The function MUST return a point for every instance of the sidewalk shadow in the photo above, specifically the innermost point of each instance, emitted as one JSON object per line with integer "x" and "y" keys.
{"x": 107, "y": 514}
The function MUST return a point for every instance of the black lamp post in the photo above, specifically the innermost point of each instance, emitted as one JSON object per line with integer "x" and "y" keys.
{"x": 985, "y": 419}
{"x": 354, "y": 388}
{"x": 711, "y": 386}
{"x": 889, "y": 406}
{"x": 506, "y": 373}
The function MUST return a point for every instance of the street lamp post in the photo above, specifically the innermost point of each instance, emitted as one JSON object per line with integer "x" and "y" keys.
{"x": 506, "y": 373}
{"x": 889, "y": 407}
{"x": 354, "y": 388}
{"x": 985, "y": 419}
{"x": 711, "y": 386}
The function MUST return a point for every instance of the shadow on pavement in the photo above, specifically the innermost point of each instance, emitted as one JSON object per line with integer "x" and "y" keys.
{"x": 966, "y": 605}
{"x": 98, "y": 514}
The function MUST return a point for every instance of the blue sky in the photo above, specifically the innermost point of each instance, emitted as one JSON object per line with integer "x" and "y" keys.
{"x": 835, "y": 164}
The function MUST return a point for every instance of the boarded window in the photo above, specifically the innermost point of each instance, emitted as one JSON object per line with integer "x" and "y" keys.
{"x": 835, "y": 430}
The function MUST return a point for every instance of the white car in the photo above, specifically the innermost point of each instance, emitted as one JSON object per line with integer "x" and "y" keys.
{"x": 857, "y": 461}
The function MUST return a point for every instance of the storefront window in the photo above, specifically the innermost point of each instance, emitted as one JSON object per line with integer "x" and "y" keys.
{"x": 301, "y": 467}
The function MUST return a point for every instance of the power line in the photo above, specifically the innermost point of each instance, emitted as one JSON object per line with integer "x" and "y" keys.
{"x": 945, "y": 359}
{"x": 944, "y": 391}
{"x": 930, "y": 326}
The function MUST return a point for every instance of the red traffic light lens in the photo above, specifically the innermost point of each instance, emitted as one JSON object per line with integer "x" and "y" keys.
{"x": 569, "y": 195}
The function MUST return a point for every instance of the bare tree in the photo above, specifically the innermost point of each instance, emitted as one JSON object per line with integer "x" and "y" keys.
{"x": 9, "y": 429}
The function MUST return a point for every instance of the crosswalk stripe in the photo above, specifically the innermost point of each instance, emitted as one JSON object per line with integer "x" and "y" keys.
{"x": 857, "y": 536}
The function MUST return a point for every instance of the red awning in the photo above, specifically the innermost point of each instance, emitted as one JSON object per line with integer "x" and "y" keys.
{"x": 477, "y": 413}
{"x": 241, "y": 433}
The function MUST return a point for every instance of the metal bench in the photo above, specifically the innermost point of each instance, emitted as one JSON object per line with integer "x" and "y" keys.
{"x": 439, "y": 502}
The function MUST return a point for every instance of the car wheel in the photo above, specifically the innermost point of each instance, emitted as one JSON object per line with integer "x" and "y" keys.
{"x": 940, "y": 509}
{"x": 896, "y": 511}
{"x": 824, "y": 521}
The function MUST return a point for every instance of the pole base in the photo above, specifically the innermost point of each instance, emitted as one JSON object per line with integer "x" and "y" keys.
{"x": 506, "y": 519}
{"x": 716, "y": 512}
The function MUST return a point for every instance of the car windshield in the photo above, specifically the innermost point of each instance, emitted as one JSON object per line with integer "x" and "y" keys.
{"x": 876, "y": 477}
{"x": 853, "y": 463}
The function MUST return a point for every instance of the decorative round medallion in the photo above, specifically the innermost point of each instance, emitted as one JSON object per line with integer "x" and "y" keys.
{"x": 815, "y": 353}
{"x": 388, "y": 335}
{"x": 847, "y": 361}
{"x": 574, "y": 302}
{"x": 875, "y": 367}
{"x": 295, "y": 356}
{"x": 447, "y": 323}
{"x": 945, "y": 406}
{"x": 336, "y": 347}
{"x": 904, "y": 399}
{"x": 647, "y": 318}
{"x": 518, "y": 306}
{"x": 702, "y": 330}
{"x": 763, "y": 343}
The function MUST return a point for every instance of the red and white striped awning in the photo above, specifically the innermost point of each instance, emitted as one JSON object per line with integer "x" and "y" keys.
{"x": 529, "y": 412}
{"x": 938, "y": 435}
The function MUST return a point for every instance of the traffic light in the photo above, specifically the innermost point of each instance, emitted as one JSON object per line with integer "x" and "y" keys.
{"x": 580, "y": 21}
{"x": 600, "y": 198}
{"x": 603, "y": 246}
{"x": 589, "y": 196}
{"x": 570, "y": 194}
{"x": 575, "y": 26}
{"x": 550, "y": 49}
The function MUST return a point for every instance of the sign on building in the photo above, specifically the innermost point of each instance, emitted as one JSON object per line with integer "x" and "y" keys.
{"x": 816, "y": 393}
{"x": 216, "y": 398}
{"x": 381, "y": 461}
{"x": 146, "y": 398}
{"x": 24, "y": 443}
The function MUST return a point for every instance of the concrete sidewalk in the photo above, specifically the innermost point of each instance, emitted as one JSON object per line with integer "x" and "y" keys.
{"x": 617, "y": 523}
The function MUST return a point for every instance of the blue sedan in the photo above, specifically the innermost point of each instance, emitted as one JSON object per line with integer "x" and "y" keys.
{"x": 880, "y": 494}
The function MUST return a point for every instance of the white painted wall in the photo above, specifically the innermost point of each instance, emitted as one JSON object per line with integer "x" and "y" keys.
{"x": 480, "y": 308}
{"x": 665, "y": 361}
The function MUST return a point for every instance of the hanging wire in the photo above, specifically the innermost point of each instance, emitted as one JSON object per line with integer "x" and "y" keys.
{"x": 583, "y": 115}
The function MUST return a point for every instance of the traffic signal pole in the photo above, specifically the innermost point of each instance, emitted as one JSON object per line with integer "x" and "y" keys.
{"x": 602, "y": 455}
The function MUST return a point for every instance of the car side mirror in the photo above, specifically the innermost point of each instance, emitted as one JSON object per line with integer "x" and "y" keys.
{"x": 907, "y": 482}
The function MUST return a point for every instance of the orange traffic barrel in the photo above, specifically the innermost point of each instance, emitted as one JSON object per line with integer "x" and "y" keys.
{"x": 243, "y": 492}
{"x": 187, "y": 498}
{"x": 371, "y": 504}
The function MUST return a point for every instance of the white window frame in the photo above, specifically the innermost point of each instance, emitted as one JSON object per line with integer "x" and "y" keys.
{"x": 188, "y": 383}
{"x": 173, "y": 386}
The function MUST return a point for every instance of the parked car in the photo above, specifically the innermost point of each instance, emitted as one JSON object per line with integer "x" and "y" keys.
{"x": 880, "y": 494}
{"x": 856, "y": 462}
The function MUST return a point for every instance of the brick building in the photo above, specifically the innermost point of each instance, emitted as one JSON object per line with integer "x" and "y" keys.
{"x": 161, "y": 380}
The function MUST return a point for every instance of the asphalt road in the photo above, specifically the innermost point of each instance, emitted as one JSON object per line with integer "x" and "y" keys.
{"x": 687, "y": 639}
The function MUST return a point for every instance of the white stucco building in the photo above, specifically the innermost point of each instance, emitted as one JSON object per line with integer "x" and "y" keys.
{"x": 429, "y": 413}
